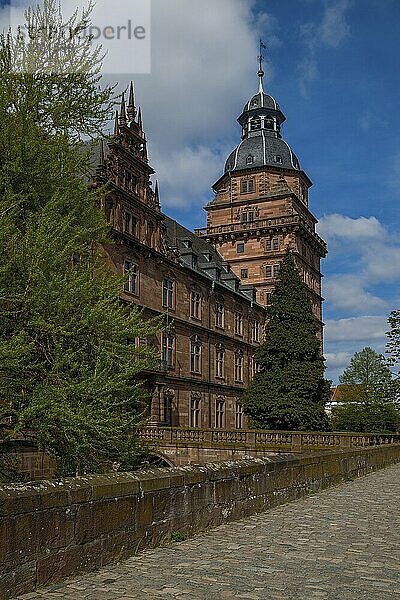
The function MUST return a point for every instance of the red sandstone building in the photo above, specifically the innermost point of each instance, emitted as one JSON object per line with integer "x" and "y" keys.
{"x": 213, "y": 285}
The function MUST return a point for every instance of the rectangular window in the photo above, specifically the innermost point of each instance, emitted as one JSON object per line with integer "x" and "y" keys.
{"x": 239, "y": 415}
{"x": 251, "y": 216}
{"x": 195, "y": 357}
{"x": 247, "y": 186}
{"x": 240, "y": 248}
{"x": 268, "y": 245}
{"x": 168, "y": 293}
{"x": 275, "y": 244}
{"x": 277, "y": 270}
{"x": 238, "y": 323}
{"x": 256, "y": 331}
{"x": 219, "y": 314}
{"x": 267, "y": 297}
{"x": 129, "y": 223}
{"x": 238, "y": 367}
{"x": 131, "y": 272}
{"x": 194, "y": 411}
{"x": 244, "y": 217}
{"x": 244, "y": 273}
{"x": 219, "y": 363}
{"x": 195, "y": 305}
{"x": 167, "y": 353}
{"x": 268, "y": 271}
{"x": 220, "y": 413}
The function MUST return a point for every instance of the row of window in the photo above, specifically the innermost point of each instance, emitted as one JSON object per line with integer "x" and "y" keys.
{"x": 168, "y": 352}
{"x": 131, "y": 286}
{"x": 220, "y": 413}
{"x": 271, "y": 245}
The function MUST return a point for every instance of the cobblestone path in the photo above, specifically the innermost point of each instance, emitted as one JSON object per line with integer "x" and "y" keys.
{"x": 342, "y": 543}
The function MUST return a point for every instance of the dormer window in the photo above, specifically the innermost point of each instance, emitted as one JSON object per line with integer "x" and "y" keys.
{"x": 207, "y": 256}
{"x": 250, "y": 159}
{"x": 187, "y": 243}
{"x": 278, "y": 159}
{"x": 255, "y": 102}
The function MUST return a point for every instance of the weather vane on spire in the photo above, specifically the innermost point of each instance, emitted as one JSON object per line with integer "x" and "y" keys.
{"x": 261, "y": 59}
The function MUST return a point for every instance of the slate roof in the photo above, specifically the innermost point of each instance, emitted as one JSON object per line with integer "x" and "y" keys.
{"x": 265, "y": 150}
{"x": 209, "y": 261}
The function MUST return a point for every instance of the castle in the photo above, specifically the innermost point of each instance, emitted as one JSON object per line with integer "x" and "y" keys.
{"x": 212, "y": 285}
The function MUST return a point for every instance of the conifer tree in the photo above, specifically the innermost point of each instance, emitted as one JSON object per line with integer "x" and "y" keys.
{"x": 68, "y": 362}
{"x": 290, "y": 391}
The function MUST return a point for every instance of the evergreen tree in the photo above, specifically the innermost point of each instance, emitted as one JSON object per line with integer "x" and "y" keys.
{"x": 68, "y": 362}
{"x": 367, "y": 396}
{"x": 290, "y": 391}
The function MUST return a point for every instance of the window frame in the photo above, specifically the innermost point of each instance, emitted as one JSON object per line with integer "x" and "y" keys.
{"x": 239, "y": 415}
{"x": 195, "y": 411}
{"x": 168, "y": 349}
{"x": 131, "y": 272}
{"x": 239, "y": 364}
{"x": 239, "y": 323}
{"x": 219, "y": 362}
{"x": 195, "y": 305}
{"x": 168, "y": 293}
{"x": 219, "y": 315}
{"x": 220, "y": 407}
{"x": 195, "y": 356}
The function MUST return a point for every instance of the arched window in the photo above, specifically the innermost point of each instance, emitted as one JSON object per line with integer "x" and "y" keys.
{"x": 220, "y": 412}
{"x": 195, "y": 354}
{"x": 195, "y": 409}
{"x": 278, "y": 159}
{"x": 250, "y": 159}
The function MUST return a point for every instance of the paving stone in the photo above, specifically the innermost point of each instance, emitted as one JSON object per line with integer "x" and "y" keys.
{"x": 340, "y": 544}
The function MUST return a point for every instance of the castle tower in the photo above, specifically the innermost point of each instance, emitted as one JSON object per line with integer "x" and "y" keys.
{"x": 260, "y": 206}
{"x": 131, "y": 205}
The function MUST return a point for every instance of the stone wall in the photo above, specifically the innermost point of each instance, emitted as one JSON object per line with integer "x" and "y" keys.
{"x": 49, "y": 530}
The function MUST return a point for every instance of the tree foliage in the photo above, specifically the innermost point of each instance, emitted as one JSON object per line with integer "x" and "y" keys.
{"x": 290, "y": 391}
{"x": 367, "y": 395}
{"x": 68, "y": 362}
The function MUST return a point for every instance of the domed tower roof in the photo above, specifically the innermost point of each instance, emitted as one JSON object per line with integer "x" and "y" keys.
{"x": 262, "y": 144}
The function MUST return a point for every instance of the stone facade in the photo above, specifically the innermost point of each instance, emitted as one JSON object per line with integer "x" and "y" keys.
{"x": 211, "y": 287}
{"x": 215, "y": 323}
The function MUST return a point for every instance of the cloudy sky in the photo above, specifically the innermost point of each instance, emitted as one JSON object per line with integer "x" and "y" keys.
{"x": 333, "y": 66}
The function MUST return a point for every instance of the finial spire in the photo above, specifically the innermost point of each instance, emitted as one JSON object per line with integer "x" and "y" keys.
{"x": 261, "y": 70}
{"x": 122, "y": 117}
{"x": 131, "y": 104}
{"x": 140, "y": 119}
{"x": 116, "y": 124}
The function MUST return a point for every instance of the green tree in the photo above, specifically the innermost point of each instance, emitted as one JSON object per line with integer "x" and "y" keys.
{"x": 368, "y": 378}
{"x": 367, "y": 395}
{"x": 290, "y": 391}
{"x": 68, "y": 362}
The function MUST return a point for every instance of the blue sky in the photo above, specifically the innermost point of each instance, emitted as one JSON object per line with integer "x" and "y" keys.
{"x": 333, "y": 66}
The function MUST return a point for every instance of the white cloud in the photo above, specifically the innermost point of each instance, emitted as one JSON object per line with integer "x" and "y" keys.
{"x": 337, "y": 360}
{"x": 356, "y": 329}
{"x": 183, "y": 173}
{"x": 330, "y": 31}
{"x": 334, "y": 28}
{"x": 204, "y": 69}
{"x": 340, "y": 226}
{"x": 347, "y": 292}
